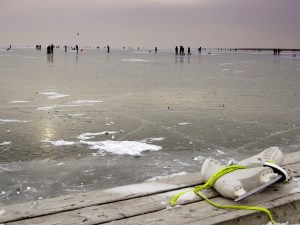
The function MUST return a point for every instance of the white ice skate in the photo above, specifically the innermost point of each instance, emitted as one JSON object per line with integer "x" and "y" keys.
{"x": 261, "y": 171}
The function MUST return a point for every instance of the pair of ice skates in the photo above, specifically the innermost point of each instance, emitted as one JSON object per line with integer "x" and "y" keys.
{"x": 261, "y": 171}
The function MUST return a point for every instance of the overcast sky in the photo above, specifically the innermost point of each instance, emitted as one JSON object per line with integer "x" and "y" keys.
{"x": 148, "y": 23}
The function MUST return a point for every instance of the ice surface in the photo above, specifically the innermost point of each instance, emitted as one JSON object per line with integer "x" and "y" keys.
{"x": 145, "y": 99}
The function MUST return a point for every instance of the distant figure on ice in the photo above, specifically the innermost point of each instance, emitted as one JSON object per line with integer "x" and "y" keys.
{"x": 155, "y": 49}
{"x": 66, "y": 48}
{"x": 176, "y": 50}
{"x": 48, "y": 50}
{"x": 107, "y": 48}
{"x": 51, "y": 49}
{"x": 181, "y": 50}
{"x": 199, "y": 50}
{"x": 189, "y": 51}
{"x": 76, "y": 48}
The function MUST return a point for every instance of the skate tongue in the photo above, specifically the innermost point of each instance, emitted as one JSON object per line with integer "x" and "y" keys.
{"x": 259, "y": 188}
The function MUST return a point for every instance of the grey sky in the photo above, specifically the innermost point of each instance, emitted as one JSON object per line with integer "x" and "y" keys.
{"x": 148, "y": 23}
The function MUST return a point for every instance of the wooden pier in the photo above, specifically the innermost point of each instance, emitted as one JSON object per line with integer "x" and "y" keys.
{"x": 148, "y": 203}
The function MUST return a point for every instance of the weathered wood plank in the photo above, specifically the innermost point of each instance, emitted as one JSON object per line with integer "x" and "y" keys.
{"x": 67, "y": 203}
{"x": 119, "y": 210}
{"x": 71, "y": 202}
{"x": 205, "y": 214}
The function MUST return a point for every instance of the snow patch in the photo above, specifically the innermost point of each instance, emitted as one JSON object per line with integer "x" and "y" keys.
{"x": 296, "y": 189}
{"x": 2, "y": 211}
{"x": 5, "y": 143}
{"x": 199, "y": 158}
{"x": 87, "y": 136}
{"x": 140, "y": 188}
{"x": 122, "y": 147}
{"x": 167, "y": 176}
{"x": 220, "y": 152}
{"x": 17, "y": 102}
{"x": 135, "y": 60}
{"x": 76, "y": 114}
{"x": 150, "y": 140}
{"x": 183, "y": 123}
{"x": 59, "y": 142}
{"x": 84, "y": 102}
{"x": 53, "y": 95}
{"x": 12, "y": 121}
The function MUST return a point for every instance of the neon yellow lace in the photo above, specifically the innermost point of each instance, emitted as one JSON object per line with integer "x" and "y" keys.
{"x": 211, "y": 182}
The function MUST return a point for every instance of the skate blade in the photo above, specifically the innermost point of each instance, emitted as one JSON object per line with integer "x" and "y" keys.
{"x": 258, "y": 189}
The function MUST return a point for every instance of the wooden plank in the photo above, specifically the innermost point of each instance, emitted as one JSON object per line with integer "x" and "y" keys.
{"x": 204, "y": 213}
{"x": 71, "y": 202}
{"x": 67, "y": 203}
{"x": 118, "y": 210}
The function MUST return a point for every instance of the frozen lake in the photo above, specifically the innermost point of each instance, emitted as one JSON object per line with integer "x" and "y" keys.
{"x": 78, "y": 122}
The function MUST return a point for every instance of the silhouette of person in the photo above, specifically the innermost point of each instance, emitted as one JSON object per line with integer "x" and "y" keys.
{"x": 176, "y": 50}
{"x": 51, "y": 49}
{"x": 65, "y": 48}
{"x": 182, "y": 50}
{"x": 155, "y": 49}
{"x": 189, "y": 51}
{"x": 76, "y": 48}
{"x": 107, "y": 48}
{"x": 48, "y": 50}
{"x": 199, "y": 50}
